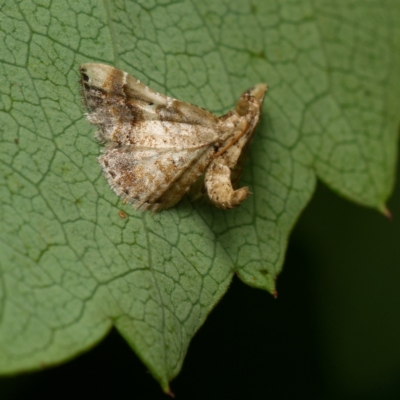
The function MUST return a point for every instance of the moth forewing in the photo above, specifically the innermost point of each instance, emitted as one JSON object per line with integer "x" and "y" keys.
{"x": 114, "y": 82}
{"x": 157, "y": 147}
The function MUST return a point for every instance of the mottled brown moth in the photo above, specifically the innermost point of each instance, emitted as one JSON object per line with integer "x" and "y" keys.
{"x": 158, "y": 147}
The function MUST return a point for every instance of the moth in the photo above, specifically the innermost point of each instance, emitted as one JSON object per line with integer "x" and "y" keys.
{"x": 158, "y": 147}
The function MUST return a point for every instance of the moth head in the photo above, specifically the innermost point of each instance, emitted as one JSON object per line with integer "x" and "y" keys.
{"x": 255, "y": 94}
{"x": 258, "y": 91}
{"x": 242, "y": 106}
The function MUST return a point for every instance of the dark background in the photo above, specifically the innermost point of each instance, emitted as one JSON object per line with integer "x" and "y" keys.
{"x": 333, "y": 332}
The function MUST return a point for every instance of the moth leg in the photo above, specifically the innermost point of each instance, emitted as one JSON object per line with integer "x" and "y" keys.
{"x": 219, "y": 187}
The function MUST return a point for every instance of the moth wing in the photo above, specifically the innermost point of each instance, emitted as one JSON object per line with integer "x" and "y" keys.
{"x": 119, "y": 95}
{"x": 164, "y": 135}
{"x": 152, "y": 178}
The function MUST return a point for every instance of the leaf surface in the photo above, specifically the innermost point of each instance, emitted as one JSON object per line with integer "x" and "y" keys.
{"x": 71, "y": 266}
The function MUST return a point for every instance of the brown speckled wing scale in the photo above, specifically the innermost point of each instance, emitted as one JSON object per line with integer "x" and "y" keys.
{"x": 150, "y": 178}
{"x": 157, "y": 147}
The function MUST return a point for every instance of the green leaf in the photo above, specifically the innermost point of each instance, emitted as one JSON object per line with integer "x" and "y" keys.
{"x": 71, "y": 267}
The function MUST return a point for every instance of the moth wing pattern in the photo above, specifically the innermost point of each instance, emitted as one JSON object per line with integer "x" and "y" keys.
{"x": 151, "y": 178}
{"x": 158, "y": 147}
{"x": 110, "y": 93}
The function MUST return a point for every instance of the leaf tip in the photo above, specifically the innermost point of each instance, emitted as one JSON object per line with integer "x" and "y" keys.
{"x": 386, "y": 212}
{"x": 169, "y": 393}
{"x": 274, "y": 294}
